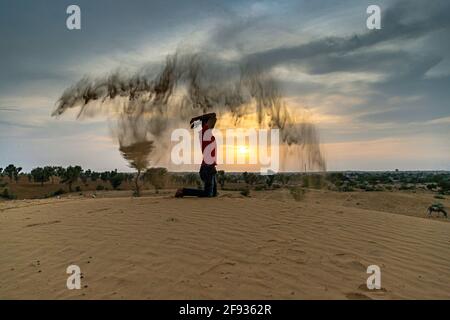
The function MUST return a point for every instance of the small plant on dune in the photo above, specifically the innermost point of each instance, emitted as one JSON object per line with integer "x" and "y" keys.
{"x": 137, "y": 155}
{"x": 157, "y": 177}
{"x": 437, "y": 207}
{"x": 297, "y": 193}
{"x": 7, "y": 195}
{"x": 245, "y": 192}
{"x": 58, "y": 192}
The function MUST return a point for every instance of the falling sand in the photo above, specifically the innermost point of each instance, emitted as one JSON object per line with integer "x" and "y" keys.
{"x": 149, "y": 104}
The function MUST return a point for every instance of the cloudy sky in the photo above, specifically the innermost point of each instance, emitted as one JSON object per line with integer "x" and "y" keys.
{"x": 380, "y": 98}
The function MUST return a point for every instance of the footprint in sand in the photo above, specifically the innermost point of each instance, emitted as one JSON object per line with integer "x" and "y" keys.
{"x": 349, "y": 260}
{"x": 357, "y": 296}
{"x": 42, "y": 223}
{"x": 363, "y": 287}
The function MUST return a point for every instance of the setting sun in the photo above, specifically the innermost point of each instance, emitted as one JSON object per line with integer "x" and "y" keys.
{"x": 242, "y": 149}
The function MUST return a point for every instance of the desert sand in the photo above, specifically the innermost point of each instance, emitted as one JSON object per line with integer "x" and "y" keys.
{"x": 267, "y": 246}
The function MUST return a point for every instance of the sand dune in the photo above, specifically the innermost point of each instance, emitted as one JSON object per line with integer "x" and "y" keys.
{"x": 264, "y": 247}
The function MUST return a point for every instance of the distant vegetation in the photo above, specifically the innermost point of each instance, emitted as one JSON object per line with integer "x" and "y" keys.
{"x": 52, "y": 181}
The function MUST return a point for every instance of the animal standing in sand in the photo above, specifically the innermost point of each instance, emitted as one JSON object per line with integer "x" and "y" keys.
{"x": 437, "y": 207}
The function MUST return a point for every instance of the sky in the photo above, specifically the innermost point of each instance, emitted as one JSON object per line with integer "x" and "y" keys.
{"x": 380, "y": 98}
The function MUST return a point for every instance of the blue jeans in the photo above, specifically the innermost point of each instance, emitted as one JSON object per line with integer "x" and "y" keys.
{"x": 208, "y": 176}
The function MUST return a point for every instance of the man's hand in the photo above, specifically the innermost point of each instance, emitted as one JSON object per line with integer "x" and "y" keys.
{"x": 203, "y": 118}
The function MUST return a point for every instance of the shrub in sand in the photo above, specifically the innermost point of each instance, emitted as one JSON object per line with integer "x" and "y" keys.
{"x": 157, "y": 177}
{"x": 297, "y": 193}
{"x": 137, "y": 156}
{"x": 58, "y": 192}
{"x": 269, "y": 180}
{"x": 249, "y": 177}
{"x": 245, "y": 192}
{"x": 7, "y": 195}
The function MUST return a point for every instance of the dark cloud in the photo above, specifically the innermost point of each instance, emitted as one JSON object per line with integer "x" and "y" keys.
{"x": 397, "y": 25}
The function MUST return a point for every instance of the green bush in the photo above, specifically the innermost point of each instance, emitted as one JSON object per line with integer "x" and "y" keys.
{"x": 297, "y": 193}
{"x": 100, "y": 188}
{"x": 6, "y": 195}
{"x": 315, "y": 181}
{"x": 245, "y": 192}
{"x": 260, "y": 188}
{"x": 58, "y": 192}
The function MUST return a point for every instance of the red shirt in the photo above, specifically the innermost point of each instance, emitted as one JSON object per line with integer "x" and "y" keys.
{"x": 208, "y": 142}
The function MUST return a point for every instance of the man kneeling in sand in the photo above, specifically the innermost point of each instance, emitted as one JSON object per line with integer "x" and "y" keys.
{"x": 208, "y": 166}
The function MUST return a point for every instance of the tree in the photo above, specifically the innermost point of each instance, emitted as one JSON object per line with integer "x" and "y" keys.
{"x": 249, "y": 178}
{"x": 156, "y": 177}
{"x": 50, "y": 172}
{"x": 444, "y": 185}
{"x": 40, "y": 175}
{"x": 60, "y": 172}
{"x": 137, "y": 156}
{"x": 95, "y": 176}
{"x": 10, "y": 171}
{"x": 71, "y": 175}
{"x": 116, "y": 179}
{"x": 88, "y": 173}
{"x": 336, "y": 178}
{"x": 16, "y": 174}
{"x": 129, "y": 177}
{"x": 269, "y": 180}
{"x": 104, "y": 176}
{"x": 84, "y": 177}
{"x": 221, "y": 178}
